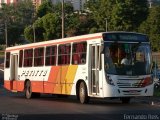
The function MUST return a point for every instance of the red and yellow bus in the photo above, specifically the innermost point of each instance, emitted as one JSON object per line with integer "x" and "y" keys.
{"x": 85, "y": 66}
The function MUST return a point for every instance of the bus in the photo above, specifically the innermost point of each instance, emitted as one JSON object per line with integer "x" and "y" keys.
{"x": 100, "y": 65}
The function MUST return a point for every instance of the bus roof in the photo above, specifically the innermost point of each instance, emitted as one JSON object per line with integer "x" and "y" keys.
{"x": 72, "y": 39}
{"x": 57, "y": 41}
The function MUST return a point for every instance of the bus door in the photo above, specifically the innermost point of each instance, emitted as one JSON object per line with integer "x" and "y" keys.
{"x": 14, "y": 71}
{"x": 94, "y": 59}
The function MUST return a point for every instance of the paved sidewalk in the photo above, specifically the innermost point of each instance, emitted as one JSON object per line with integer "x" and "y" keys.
{"x": 149, "y": 100}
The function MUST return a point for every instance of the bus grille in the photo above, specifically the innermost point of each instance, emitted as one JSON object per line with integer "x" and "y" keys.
{"x": 130, "y": 84}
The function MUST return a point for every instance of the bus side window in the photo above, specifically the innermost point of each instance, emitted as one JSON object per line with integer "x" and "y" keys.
{"x": 39, "y": 57}
{"x": 79, "y": 53}
{"x": 7, "y": 65}
{"x": 64, "y": 52}
{"x": 51, "y": 55}
{"x": 28, "y": 58}
{"x": 20, "y": 58}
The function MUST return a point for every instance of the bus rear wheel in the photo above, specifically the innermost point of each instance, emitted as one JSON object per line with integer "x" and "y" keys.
{"x": 28, "y": 90}
{"x": 83, "y": 95}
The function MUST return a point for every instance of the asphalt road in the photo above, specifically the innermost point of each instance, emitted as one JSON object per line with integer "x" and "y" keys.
{"x": 13, "y": 106}
{"x": 1, "y": 78}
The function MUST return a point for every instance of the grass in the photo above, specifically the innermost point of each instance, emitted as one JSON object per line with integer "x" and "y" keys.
{"x": 2, "y": 53}
{"x": 157, "y": 92}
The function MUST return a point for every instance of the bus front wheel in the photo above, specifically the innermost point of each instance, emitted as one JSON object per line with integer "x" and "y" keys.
{"x": 83, "y": 95}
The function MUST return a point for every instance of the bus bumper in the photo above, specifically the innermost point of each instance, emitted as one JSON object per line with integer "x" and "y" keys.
{"x": 113, "y": 91}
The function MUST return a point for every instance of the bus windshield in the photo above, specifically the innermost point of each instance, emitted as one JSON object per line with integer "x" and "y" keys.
{"x": 127, "y": 58}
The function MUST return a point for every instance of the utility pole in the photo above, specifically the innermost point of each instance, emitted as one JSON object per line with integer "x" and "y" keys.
{"x": 6, "y": 34}
{"x": 34, "y": 35}
{"x": 106, "y": 25}
{"x": 62, "y": 18}
{"x": 34, "y": 17}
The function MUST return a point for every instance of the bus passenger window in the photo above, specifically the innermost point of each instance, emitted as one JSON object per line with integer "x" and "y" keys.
{"x": 64, "y": 52}
{"x": 7, "y": 65}
{"x": 39, "y": 57}
{"x": 79, "y": 53}
{"x": 51, "y": 55}
{"x": 20, "y": 58}
{"x": 28, "y": 58}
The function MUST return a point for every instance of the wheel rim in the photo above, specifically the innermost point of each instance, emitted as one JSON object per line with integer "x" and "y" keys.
{"x": 28, "y": 90}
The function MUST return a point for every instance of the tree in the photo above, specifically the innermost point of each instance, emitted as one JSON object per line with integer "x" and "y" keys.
{"x": 151, "y": 27}
{"x": 120, "y": 14}
{"x": 127, "y": 15}
{"x": 5, "y": 13}
{"x": 46, "y": 28}
{"x": 101, "y": 10}
{"x": 16, "y": 18}
{"x": 45, "y": 8}
{"x": 50, "y": 22}
{"x": 25, "y": 11}
{"x": 68, "y": 8}
{"x": 28, "y": 32}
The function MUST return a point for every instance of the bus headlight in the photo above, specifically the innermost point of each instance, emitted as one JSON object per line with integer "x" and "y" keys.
{"x": 109, "y": 80}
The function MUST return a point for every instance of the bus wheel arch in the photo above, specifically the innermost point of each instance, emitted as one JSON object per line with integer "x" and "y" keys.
{"x": 82, "y": 92}
{"x": 28, "y": 90}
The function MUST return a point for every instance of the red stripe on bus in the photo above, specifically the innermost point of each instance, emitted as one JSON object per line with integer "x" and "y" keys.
{"x": 49, "y": 44}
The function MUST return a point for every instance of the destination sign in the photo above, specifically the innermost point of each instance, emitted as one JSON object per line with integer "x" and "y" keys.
{"x": 130, "y": 37}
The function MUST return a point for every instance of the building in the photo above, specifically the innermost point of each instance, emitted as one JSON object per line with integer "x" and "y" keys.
{"x": 35, "y": 2}
{"x": 77, "y": 4}
{"x": 8, "y": 1}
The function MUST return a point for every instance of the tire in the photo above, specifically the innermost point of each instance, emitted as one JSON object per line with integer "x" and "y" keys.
{"x": 83, "y": 95}
{"x": 28, "y": 90}
{"x": 125, "y": 100}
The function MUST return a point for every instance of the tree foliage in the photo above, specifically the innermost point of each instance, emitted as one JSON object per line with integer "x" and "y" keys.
{"x": 101, "y": 10}
{"x": 127, "y": 15}
{"x": 151, "y": 27}
{"x": 120, "y": 15}
{"x": 124, "y": 15}
{"x": 48, "y": 25}
{"x": 16, "y": 18}
{"x": 45, "y": 8}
